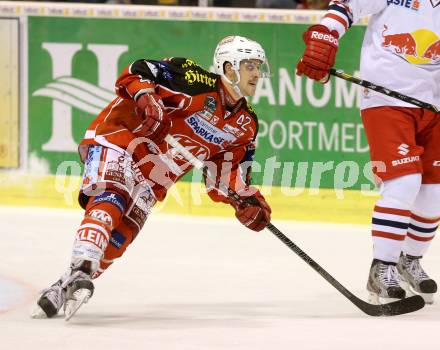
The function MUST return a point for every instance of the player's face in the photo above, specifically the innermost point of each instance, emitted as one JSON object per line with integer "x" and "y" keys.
{"x": 250, "y": 72}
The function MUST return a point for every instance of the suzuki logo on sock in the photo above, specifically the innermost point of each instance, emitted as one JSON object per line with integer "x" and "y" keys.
{"x": 436, "y": 163}
{"x": 403, "y": 149}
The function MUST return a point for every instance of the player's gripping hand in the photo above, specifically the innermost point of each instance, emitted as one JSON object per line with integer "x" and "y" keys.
{"x": 319, "y": 55}
{"x": 253, "y": 212}
{"x": 156, "y": 123}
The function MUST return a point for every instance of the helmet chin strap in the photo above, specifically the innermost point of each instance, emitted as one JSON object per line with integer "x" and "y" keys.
{"x": 234, "y": 85}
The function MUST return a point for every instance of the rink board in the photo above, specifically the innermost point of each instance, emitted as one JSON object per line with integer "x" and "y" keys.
{"x": 327, "y": 205}
{"x": 311, "y": 146}
{"x": 9, "y": 93}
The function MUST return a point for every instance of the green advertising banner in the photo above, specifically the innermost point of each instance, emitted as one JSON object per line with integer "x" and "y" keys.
{"x": 310, "y": 134}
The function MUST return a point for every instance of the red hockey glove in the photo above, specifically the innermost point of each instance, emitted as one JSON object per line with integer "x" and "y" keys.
{"x": 156, "y": 123}
{"x": 254, "y": 212}
{"x": 319, "y": 55}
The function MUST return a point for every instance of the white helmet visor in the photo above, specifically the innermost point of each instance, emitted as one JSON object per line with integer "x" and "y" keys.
{"x": 262, "y": 67}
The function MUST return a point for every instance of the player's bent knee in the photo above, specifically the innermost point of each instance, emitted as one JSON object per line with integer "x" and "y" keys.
{"x": 427, "y": 203}
{"x": 400, "y": 192}
{"x": 113, "y": 198}
{"x": 106, "y": 209}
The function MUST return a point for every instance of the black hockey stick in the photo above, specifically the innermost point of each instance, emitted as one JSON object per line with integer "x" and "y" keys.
{"x": 341, "y": 74}
{"x": 399, "y": 307}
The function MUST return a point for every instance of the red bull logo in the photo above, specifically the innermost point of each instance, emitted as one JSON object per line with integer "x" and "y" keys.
{"x": 402, "y": 43}
{"x": 419, "y": 47}
{"x": 433, "y": 51}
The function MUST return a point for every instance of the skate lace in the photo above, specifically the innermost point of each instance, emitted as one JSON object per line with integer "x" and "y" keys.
{"x": 72, "y": 278}
{"x": 389, "y": 276}
{"x": 416, "y": 270}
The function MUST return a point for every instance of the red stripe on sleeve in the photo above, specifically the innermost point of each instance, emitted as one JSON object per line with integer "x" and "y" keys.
{"x": 338, "y": 19}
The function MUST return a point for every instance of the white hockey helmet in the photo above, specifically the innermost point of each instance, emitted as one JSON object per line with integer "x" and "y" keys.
{"x": 234, "y": 49}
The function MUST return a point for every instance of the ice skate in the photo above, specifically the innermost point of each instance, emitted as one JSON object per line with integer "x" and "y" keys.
{"x": 50, "y": 301}
{"x": 384, "y": 283}
{"x": 79, "y": 291}
{"x": 416, "y": 279}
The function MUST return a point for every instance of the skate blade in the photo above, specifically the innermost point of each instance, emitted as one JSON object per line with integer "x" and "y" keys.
{"x": 427, "y": 297}
{"x": 80, "y": 297}
{"x": 375, "y": 299}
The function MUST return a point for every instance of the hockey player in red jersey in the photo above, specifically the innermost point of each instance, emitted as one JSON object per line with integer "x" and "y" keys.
{"x": 403, "y": 140}
{"x": 128, "y": 166}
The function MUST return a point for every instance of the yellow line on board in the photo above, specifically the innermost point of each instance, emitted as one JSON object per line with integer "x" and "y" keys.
{"x": 327, "y": 205}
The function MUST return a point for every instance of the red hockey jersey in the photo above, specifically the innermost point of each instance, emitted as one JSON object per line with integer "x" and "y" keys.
{"x": 216, "y": 131}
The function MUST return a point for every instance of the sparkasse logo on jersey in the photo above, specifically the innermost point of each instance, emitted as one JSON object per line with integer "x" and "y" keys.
{"x": 208, "y": 132}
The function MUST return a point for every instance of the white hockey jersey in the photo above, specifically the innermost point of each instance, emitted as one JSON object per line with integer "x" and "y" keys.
{"x": 401, "y": 47}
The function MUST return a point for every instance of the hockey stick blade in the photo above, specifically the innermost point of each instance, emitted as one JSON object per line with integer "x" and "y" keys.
{"x": 398, "y": 307}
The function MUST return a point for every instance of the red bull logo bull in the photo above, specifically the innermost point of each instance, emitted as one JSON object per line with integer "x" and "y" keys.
{"x": 401, "y": 44}
{"x": 433, "y": 51}
{"x": 419, "y": 47}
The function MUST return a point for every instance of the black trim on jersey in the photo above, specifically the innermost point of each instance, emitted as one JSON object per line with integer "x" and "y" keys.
{"x": 140, "y": 67}
{"x": 254, "y": 116}
{"x": 178, "y": 74}
{"x": 343, "y": 11}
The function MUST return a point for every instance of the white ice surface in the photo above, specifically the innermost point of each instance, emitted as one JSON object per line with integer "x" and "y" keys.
{"x": 192, "y": 283}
